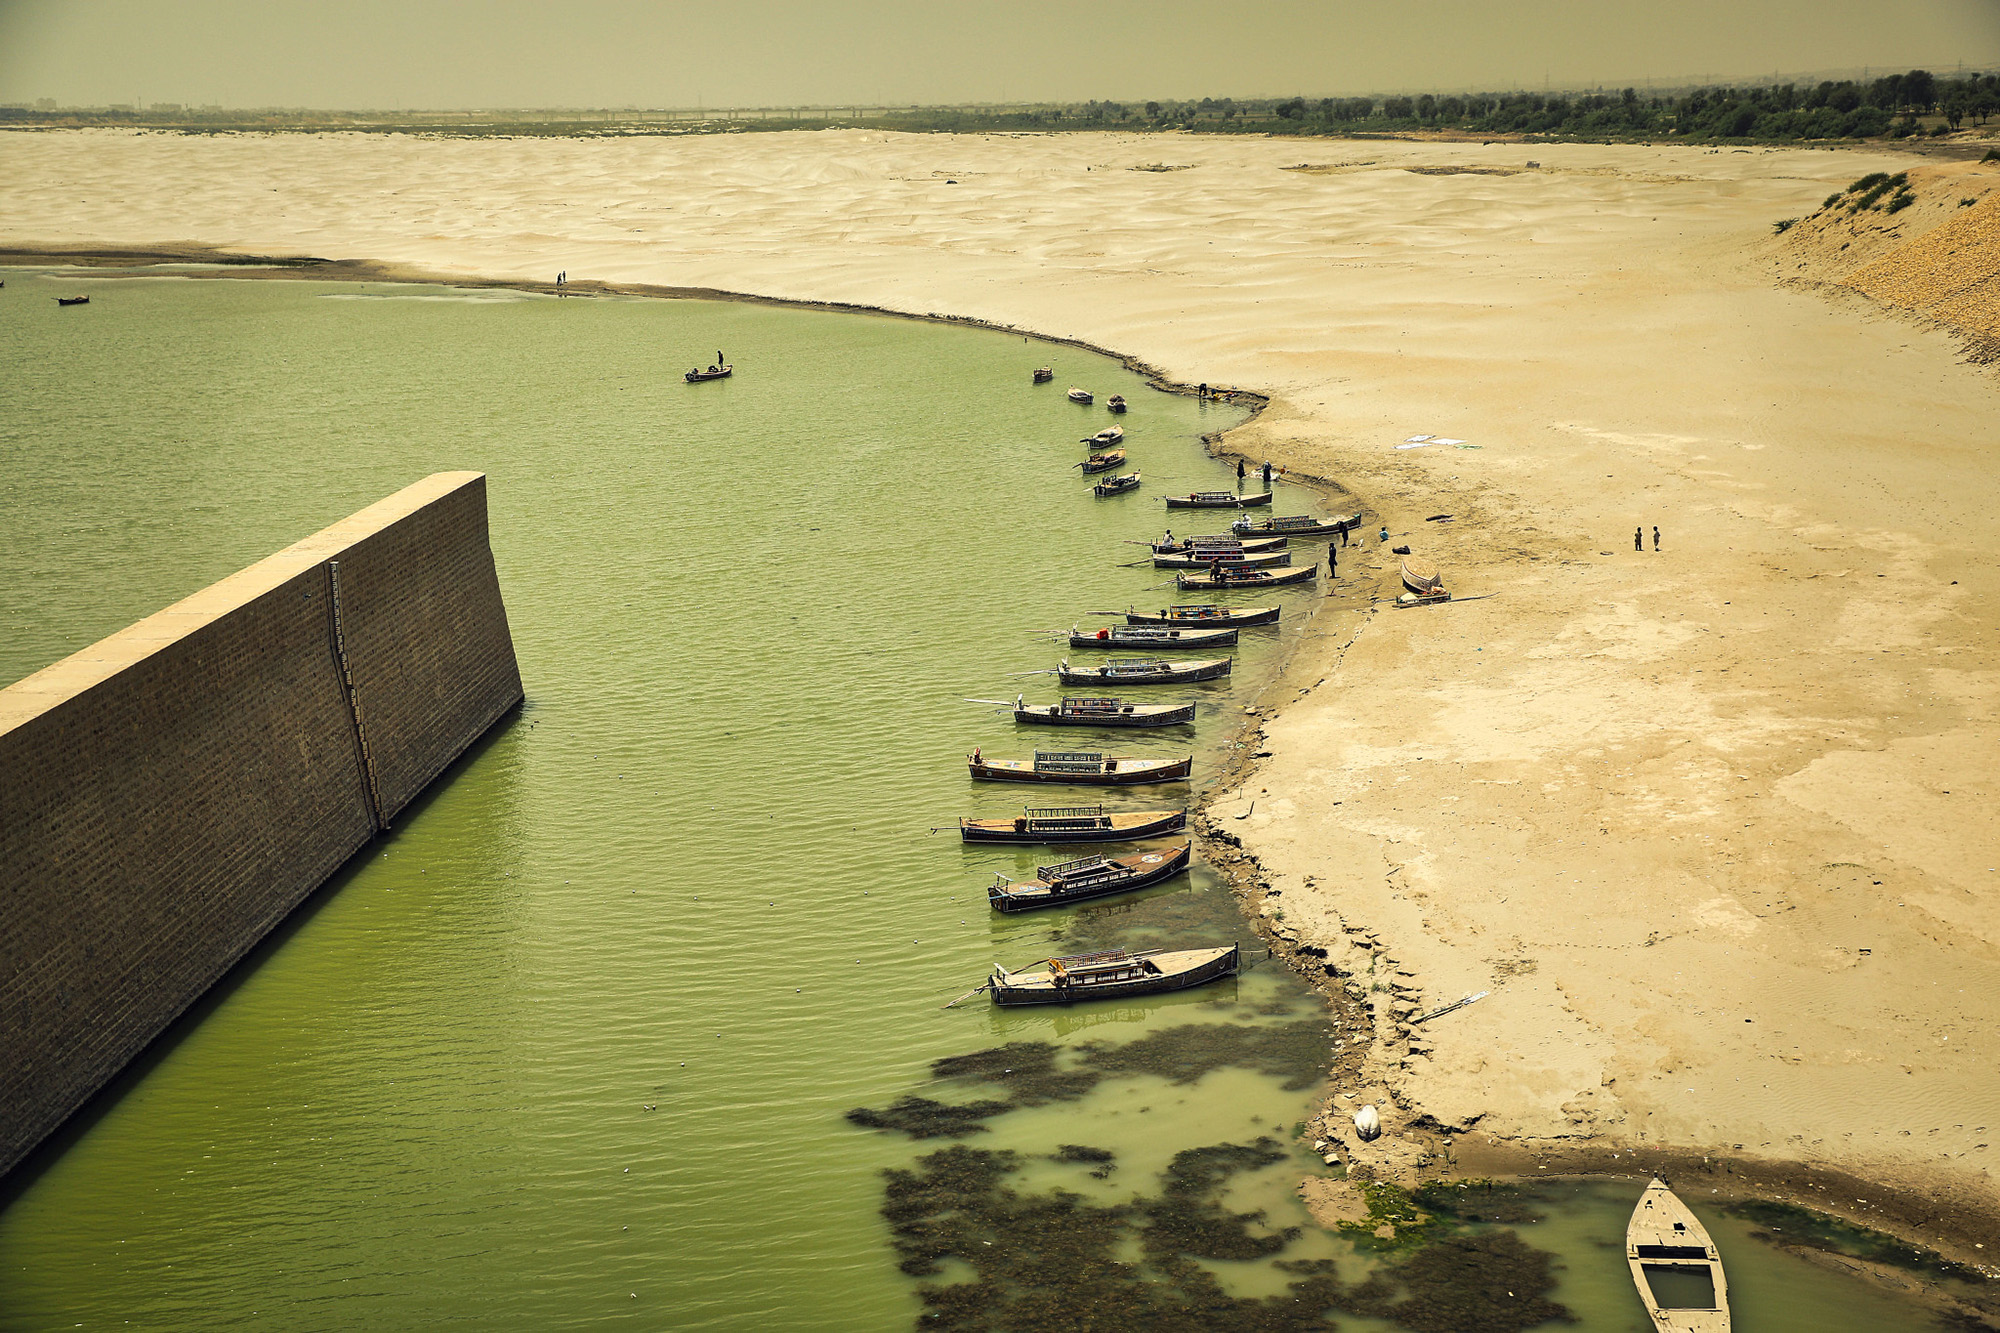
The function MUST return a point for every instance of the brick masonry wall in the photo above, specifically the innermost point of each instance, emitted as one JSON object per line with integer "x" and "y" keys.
{"x": 168, "y": 795}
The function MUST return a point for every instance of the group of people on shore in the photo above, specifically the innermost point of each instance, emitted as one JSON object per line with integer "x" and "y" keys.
{"x": 1639, "y": 538}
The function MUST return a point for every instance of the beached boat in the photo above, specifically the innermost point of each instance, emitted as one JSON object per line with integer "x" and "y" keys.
{"x": 1180, "y": 545}
{"x": 1087, "y": 877}
{"x": 1218, "y": 500}
{"x": 1148, "y": 636}
{"x": 72, "y": 300}
{"x": 1295, "y": 525}
{"x": 1118, "y": 485}
{"x": 1074, "y": 823}
{"x": 1105, "y": 438}
{"x": 1084, "y": 711}
{"x": 712, "y": 373}
{"x": 1195, "y": 617}
{"x": 1079, "y": 395}
{"x": 1102, "y": 462}
{"x": 1044, "y": 375}
{"x": 1115, "y": 974}
{"x": 1421, "y": 577}
{"x": 1081, "y": 768}
{"x": 1145, "y": 671}
{"x": 1203, "y": 557}
{"x": 1225, "y": 576}
{"x": 1116, "y": 402}
{"x": 1675, "y": 1265}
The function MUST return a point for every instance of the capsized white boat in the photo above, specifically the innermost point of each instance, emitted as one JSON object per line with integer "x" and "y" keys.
{"x": 1675, "y": 1266}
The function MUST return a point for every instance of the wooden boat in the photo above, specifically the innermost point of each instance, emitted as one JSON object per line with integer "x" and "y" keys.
{"x": 1074, "y": 823}
{"x": 1117, "y": 973}
{"x": 1117, "y": 485}
{"x": 1087, "y": 711}
{"x": 1225, "y": 576}
{"x": 712, "y": 373}
{"x": 1116, "y": 402}
{"x": 1675, "y": 1265}
{"x": 1218, "y": 500}
{"x": 1204, "y": 615}
{"x": 72, "y": 300}
{"x": 1204, "y": 557}
{"x": 1149, "y": 636}
{"x": 1295, "y": 525}
{"x": 1102, "y": 462}
{"x": 1080, "y": 768}
{"x": 1087, "y": 877}
{"x": 1044, "y": 375}
{"x": 1421, "y": 577}
{"x": 1103, "y": 439}
{"x": 1145, "y": 671}
{"x": 1181, "y": 545}
{"x": 1079, "y": 395}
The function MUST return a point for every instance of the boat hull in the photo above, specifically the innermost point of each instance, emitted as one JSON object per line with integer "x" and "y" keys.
{"x": 1224, "y": 543}
{"x": 1271, "y": 527}
{"x": 1117, "y": 485}
{"x": 1186, "y": 675}
{"x": 1128, "y": 772}
{"x": 1248, "y": 616}
{"x": 1102, "y": 462}
{"x": 1665, "y": 1239}
{"x": 1223, "y": 964}
{"x": 1021, "y": 832}
{"x": 1033, "y": 895}
{"x": 1256, "y": 578}
{"x": 1236, "y": 559}
{"x": 1173, "y": 638}
{"x": 1133, "y": 715}
{"x": 1233, "y": 502}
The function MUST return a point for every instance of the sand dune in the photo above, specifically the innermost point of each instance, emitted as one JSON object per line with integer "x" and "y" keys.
{"x": 1715, "y": 826}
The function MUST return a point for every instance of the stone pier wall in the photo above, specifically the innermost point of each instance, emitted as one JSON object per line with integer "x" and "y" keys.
{"x": 168, "y": 795}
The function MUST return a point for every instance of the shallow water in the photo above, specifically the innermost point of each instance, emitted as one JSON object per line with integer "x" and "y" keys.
{"x": 573, "y": 1045}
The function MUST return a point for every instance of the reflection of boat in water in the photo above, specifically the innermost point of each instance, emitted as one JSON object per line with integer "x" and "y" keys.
{"x": 1675, "y": 1265}
{"x": 1081, "y": 767}
{"x": 1074, "y": 823}
{"x": 1063, "y": 1022}
{"x": 1087, "y": 877}
{"x": 1115, "y": 973}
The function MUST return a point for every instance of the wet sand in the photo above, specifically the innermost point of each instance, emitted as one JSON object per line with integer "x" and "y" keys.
{"x": 1714, "y": 824}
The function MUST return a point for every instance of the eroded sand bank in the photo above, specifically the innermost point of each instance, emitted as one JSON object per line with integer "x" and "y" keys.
{"x": 1714, "y": 825}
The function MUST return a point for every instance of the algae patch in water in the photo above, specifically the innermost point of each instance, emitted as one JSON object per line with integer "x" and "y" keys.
{"x": 1480, "y": 1201}
{"x": 1789, "y": 1224}
{"x": 1026, "y": 1069}
{"x": 1103, "y": 1159}
{"x": 922, "y": 1118}
{"x": 1296, "y": 1053}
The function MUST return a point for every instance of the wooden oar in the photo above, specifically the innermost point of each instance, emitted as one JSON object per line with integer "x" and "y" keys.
{"x": 969, "y": 994}
{"x": 998, "y": 703}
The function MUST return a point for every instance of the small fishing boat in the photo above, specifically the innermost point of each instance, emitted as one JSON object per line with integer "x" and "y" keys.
{"x": 1074, "y": 823}
{"x": 1148, "y": 636}
{"x": 1227, "y": 576}
{"x": 1421, "y": 577}
{"x": 1081, "y": 768}
{"x": 1218, "y": 500}
{"x": 1044, "y": 375}
{"x": 1179, "y": 545}
{"x": 1116, "y": 402}
{"x": 1105, "y": 438}
{"x": 1102, "y": 462}
{"x": 1185, "y": 616}
{"x": 1205, "y": 557}
{"x": 1675, "y": 1265}
{"x": 1118, "y": 485}
{"x": 1087, "y": 877}
{"x": 1084, "y": 711}
{"x": 1079, "y": 395}
{"x": 1145, "y": 671}
{"x": 72, "y": 300}
{"x": 1116, "y": 973}
{"x": 712, "y": 373}
{"x": 1295, "y": 525}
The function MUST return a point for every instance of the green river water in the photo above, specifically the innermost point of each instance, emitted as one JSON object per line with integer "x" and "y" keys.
{"x": 573, "y": 1045}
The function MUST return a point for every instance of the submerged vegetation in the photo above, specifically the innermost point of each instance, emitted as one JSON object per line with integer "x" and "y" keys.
{"x": 1056, "y": 1260}
{"x": 1789, "y": 1224}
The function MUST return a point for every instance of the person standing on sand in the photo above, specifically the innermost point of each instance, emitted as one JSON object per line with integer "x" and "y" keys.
{"x": 1638, "y": 539}
{"x": 1656, "y": 537}
{"x": 1343, "y": 535}
{"x": 1332, "y": 560}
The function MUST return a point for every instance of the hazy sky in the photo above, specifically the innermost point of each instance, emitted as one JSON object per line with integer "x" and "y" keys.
{"x": 457, "y": 53}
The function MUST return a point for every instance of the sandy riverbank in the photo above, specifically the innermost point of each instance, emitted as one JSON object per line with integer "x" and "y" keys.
{"x": 1714, "y": 824}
